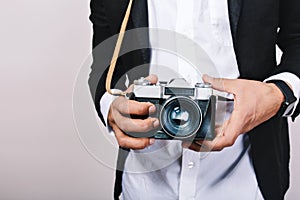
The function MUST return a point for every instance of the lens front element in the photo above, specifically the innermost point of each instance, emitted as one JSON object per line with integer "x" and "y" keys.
{"x": 180, "y": 117}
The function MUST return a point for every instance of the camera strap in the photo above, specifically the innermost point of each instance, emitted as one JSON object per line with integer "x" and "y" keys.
{"x": 117, "y": 52}
{"x": 123, "y": 153}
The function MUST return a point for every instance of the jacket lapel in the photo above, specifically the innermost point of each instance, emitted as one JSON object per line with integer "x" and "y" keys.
{"x": 139, "y": 16}
{"x": 234, "y": 10}
{"x": 139, "y": 13}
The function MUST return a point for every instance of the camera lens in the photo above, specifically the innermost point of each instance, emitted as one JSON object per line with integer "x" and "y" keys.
{"x": 180, "y": 117}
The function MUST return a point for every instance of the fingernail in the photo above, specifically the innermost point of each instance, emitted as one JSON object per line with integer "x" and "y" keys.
{"x": 151, "y": 141}
{"x": 152, "y": 109}
{"x": 155, "y": 123}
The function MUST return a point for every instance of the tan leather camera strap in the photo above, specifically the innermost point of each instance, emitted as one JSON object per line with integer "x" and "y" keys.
{"x": 116, "y": 53}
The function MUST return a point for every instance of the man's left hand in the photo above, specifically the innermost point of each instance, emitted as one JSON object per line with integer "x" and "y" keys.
{"x": 254, "y": 103}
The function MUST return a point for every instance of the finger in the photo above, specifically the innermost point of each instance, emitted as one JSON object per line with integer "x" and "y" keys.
{"x": 196, "y": 146}
{"x": 218, "y": 144}
{"x": 135, "y": 125}
{"x": 128, "y": 107}
{"x": 224, "y": 138}
{"x": 220, "y": 84}
{"x": 130, "y": 142}
{"x": 191, "y": 145}
{"x": 235, "y": 124}
{"x": 152, "y": 78}
{"x": 205, "y": 146}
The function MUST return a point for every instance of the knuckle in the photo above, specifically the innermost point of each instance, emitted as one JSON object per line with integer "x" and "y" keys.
{"x": 230, "y": 142}
{"x": 145, "y": 143}
{"x": 122, "y": 104}
{"x": 141, "y": 144}
{"x": 110, "y": 116}
{"x": 113, "y": 105}
{"x": 122, "y": 141}
{"x": 114, "y": 115}
{"x": 121, "y": 107}
{"x": 127, "y": 124}
{"x": 117, "y": 101}
{"x": 219, "y": 147}
{"x": 146, "y": 125}
{"x": 143, "y": 126}
{"x": 121, "y": 125}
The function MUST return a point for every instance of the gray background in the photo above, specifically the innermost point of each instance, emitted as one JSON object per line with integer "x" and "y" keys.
{"x": 43, "y": 44}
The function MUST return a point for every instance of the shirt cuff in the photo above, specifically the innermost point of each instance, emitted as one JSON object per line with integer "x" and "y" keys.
{"x": 105, "y": 103}
{"x": 291, "y": 79}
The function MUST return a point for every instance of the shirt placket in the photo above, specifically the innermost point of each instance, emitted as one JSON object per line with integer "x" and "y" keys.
{"x": 185, "y": 27}
{"x": 189, "y": 172}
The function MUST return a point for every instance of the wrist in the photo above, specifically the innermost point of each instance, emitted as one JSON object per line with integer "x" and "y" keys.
{"x": 289, "y": 99}
{"x": 277, "y": 93}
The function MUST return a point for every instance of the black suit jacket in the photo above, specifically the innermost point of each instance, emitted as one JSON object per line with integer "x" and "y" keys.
{"x": 254, "y": 26}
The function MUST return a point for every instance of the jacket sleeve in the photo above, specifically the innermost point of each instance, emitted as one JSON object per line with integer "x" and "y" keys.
{"x": 289, "y": 40}
{"x": 101, "y": 31}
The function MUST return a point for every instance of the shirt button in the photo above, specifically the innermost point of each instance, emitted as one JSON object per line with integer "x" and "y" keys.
{"x": 191, "y": 165}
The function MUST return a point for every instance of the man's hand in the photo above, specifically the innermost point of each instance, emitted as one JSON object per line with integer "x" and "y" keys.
{"x": 254, "y": 103}
{"x": 118, "y": 119}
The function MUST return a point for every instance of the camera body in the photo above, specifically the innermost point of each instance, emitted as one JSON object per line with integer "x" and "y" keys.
{"x": 185, "y": 112}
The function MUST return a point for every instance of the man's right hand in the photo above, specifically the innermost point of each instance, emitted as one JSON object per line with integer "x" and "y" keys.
{"x": 118, "y": 119}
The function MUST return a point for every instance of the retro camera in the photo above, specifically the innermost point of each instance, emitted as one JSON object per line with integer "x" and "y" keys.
{"x": 185, "y": 112}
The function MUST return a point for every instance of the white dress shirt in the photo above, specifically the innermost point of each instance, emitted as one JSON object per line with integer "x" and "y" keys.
{"x": 165, "y": 170}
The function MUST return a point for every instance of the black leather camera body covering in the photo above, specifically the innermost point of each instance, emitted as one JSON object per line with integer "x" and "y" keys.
{"x": 201, "y": 128}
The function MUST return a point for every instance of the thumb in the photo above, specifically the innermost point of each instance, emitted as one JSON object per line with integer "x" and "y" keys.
{"x": 220, "y": 84}
{"x": 152, "y": 78}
